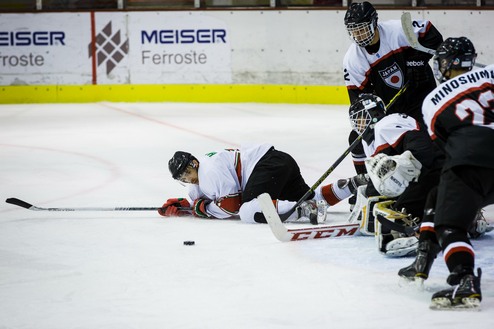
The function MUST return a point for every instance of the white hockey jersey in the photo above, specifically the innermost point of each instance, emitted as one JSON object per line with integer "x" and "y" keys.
{"x": 224, "y": 174}
{"x": 388, "y": 134}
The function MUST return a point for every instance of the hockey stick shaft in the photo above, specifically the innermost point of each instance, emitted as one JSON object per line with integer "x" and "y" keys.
{"x": 407, "y": 25}
{"x": 285, "y": 216}
{"x": 29, "y": 206}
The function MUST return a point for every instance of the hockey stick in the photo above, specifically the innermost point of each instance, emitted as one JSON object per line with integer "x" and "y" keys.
{"x": 285, "y": 216}
{"x": 29, "y": 206}
{"x": 407, "y": 26}
{"x": 284, "y": 234}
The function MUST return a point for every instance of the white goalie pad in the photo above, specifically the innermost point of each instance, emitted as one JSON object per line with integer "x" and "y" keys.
{"x": 392, "y": 243}
{"x": 391, "y": 175}
{"x": 362, "y": 211}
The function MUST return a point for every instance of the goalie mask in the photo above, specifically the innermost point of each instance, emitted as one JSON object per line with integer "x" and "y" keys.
{"x": 453, "y": 54}
{"x": 179, "y": 163}
{"x": 366, "y": 111}
{"x": 361, "y": 23}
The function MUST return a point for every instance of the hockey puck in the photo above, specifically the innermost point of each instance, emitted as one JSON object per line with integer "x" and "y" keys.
{"x": 189, "y": 243}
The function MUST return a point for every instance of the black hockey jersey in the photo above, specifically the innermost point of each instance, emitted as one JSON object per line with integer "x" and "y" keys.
{"x": 460, "y": 112}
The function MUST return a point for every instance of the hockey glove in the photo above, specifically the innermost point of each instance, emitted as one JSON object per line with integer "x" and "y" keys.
{"x": 199, "y": 208}
{"x": 173, "y": 207}
{"x": 391, "y": 175}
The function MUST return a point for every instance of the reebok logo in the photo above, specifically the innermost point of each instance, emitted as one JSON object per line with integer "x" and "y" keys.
{"x": 394, "y": 180}
{"x": 415, "y": 63}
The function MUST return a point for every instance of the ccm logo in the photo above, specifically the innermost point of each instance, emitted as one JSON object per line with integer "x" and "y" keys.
{"x": 29, "y": 38}
{"x": 324, "y": 233}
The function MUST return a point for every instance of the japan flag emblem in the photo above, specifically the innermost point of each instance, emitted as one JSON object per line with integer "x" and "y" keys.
{"x": 392, "y": 76}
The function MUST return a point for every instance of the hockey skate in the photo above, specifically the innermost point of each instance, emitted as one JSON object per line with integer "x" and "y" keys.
{"x": 465, "y": 295}
{"x": 353, "y": 183}
{"x": 479, "y": 226}
{"x": 419, "y": 270}
{"x": 314, "y": 211}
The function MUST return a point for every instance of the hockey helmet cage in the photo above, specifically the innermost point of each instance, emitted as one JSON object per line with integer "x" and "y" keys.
{"x": 361, "y": 23}
{"x": 179, "y": 162}
{"x": 366, "y": 111}
{"x": 453, "y": 54}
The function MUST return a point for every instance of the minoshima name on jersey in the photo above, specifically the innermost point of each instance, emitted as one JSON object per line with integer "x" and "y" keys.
{"x": 474, "y": 90}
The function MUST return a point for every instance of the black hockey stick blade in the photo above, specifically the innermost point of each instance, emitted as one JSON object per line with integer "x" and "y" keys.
{"x": 19, "y": 203}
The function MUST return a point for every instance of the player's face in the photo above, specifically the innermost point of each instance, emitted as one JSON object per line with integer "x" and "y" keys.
{"x": 360, "y": 120}
{"x": 362, "y": 34}
{"x": 189, "y": 176}
{"x": 360, "y": 125}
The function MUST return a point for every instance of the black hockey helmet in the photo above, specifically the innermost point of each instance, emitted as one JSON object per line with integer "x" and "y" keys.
{"x": 179, "y": 162}
{"x": 361, "y": 22}
{"x": 453, "y": 54}
{"x": 366, "y": 111}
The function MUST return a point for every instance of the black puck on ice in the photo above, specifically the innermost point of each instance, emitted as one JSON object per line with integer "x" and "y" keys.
{"x": 189, "y": 243}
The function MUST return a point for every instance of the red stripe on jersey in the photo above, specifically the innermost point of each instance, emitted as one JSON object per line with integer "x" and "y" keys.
{"x": 329, "y": 195}
{"x": 427, "y": 226}
{"x": 458, "y": 247}
{"x": 422, "y": 34}
{"x": 382, "y": 147}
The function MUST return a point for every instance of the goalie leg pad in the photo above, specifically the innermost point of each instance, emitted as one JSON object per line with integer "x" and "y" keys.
{"x": 400, "y": 247}
{"x": 392, "y": 243}
{"x": 362, "y": 212}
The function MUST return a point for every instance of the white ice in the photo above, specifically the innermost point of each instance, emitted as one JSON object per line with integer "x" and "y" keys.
{"x": 119, "y": 270}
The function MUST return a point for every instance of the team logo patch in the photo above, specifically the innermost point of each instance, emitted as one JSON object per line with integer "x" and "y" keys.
{"x": 392, "y": 76}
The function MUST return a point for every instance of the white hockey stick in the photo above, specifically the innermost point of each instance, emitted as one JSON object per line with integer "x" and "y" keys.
{"x": 407, "y": 25}
{"x": 284, "y": 234}
{"x": 29, "y": 206}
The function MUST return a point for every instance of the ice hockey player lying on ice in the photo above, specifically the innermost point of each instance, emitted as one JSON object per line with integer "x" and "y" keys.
{"x": 460, "y": 114}
{"x": 225, "y": 184}
{"x": 403, "y": 165}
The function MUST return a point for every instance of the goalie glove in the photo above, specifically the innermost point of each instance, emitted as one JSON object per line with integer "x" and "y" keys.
{"x": 391, "y": 175}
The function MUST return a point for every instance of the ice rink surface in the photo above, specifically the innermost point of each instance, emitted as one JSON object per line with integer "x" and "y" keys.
{"x": 119, "y": 270}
